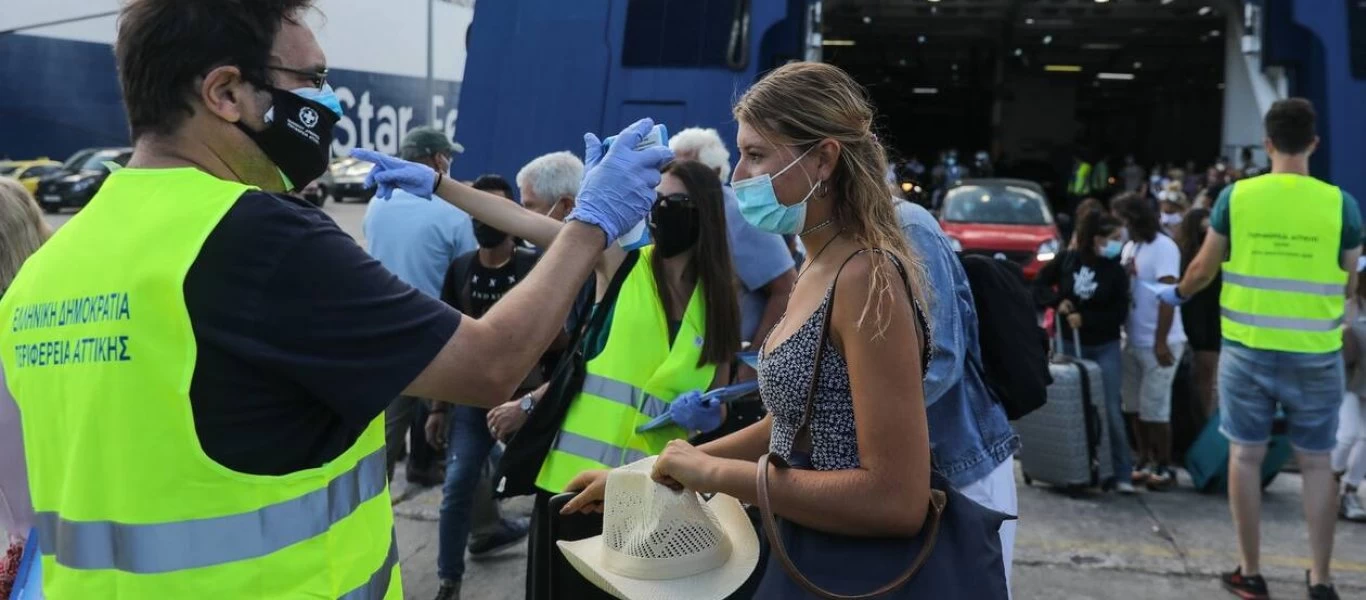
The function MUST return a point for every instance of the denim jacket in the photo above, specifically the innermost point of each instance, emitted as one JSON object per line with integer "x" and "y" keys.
{"x": 969, "y": 433}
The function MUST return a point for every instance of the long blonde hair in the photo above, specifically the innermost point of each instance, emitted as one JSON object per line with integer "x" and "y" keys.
{"x": 804, "y": 103}
{"x": 22, "y": 229}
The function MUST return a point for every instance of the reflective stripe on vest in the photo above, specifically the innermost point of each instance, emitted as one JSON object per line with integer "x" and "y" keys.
{"x": 600, "y": 452}
{"x": 1292, "y": 323}
{"x": 631, "y": 381}
{"x": 624, "y": 393}
{"x": 1283, "y": 284}
{"x": 165, "y": 547}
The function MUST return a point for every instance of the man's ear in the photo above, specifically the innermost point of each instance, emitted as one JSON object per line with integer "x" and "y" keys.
{"x": 225, "y": 94}
{"x": 1314, "y": 145}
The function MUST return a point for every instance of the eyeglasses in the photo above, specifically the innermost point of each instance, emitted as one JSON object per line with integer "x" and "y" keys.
{"x": 318, "y": 78}
{"x": 671, "y": 201}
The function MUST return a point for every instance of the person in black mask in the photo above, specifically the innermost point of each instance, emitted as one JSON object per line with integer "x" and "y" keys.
{"x": 667, "y": 323}
{"x": 470, "y": 518}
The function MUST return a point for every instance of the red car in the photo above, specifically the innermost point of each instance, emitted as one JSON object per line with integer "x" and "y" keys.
{"x": 1007, "y": 219}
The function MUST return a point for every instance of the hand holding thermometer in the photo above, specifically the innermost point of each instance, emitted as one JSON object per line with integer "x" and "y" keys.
{"x": 639, "y": 235}
{"x": 726, "y": 395}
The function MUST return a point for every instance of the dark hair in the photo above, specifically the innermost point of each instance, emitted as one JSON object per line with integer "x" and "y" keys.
{"x": 1090, "y": 225}
{"x": 165, "y": 46}
{"x": 1139, "y": 215}
{"x": 1290, "y": 125}
{"x": 1088, "y": 205}
{"x": 711, "y": 261}
{"x": 492, "y": 182}
{"x": 1192, "y": 234}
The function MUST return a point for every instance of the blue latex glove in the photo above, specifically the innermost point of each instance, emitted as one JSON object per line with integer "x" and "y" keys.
{"x": 695, "y": 413}
{"x": 619, "y": 189}
{"x": 1169, "y": 296}
{"x": 395, "y": 173}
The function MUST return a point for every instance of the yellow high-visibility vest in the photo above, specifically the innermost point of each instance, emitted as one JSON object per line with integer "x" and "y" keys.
{"x": 99, "y": 352}
{"x": 1283, "y": 282}
{"x": 633, "y": 380}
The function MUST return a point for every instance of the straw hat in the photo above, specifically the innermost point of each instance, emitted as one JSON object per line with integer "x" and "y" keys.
{"x": 658, "y": 544}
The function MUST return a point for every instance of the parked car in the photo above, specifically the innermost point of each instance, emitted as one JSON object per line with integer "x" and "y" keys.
{"x": 1008, "y": 219}
{"x": 75, "y": 183}
{"x": 345, "y": 178}
{"x": 28, "y": 172}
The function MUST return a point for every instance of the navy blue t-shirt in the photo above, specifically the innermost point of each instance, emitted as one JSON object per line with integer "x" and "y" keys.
{"x": 303, "y": 338}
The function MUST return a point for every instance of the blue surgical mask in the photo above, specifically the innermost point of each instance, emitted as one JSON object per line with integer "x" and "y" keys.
{"x": 324, "y": 96}
{"x": 760, "y": 206}
{"x": 1112, "y": 249}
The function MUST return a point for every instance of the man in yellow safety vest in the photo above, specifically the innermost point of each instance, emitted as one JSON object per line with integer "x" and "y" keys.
{"x": 1288, "y": 244}
{"x": 202, "y": 362}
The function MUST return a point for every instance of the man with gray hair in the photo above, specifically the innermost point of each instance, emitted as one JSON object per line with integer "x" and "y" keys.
{"x": 762, "y": 259}
{"x": 417, "y": 239}
{"x": 550, "y": 182}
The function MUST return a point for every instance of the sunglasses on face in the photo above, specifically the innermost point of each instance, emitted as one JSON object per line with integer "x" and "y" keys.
{"x": 670, "y": 202}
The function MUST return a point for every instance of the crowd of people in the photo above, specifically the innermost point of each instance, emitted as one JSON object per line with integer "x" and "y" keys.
{"x": 1141, "y": 284}
{"x": 260, "y": 375}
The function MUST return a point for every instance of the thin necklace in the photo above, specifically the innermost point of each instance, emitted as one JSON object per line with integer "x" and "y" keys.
{"x": 807, "y": 266}
{"x": 818, "y": 226}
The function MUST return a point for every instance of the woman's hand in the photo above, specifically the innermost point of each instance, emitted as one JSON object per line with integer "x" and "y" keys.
{"x": 592, "y": 489}
{"x": 1065, "y": 307}
{"x": 436, "y": 428}
{"x": 1074, "y": 321}
{"x": 681, "y": 465}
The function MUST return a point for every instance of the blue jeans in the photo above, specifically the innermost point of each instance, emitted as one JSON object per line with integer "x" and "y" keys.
{"x": 1308, "y": 387}
{"x": 465, "y": 497}
{"x": 1111, "y": 370}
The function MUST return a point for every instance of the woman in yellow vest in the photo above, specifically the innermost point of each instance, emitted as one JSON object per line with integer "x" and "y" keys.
{"x": 668, "y": 334}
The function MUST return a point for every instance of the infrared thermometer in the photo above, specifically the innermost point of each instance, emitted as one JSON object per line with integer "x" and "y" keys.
{"x": 639, "y": 236}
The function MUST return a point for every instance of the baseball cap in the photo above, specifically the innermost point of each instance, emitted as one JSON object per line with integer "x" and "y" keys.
{"x": 429, "y": 140}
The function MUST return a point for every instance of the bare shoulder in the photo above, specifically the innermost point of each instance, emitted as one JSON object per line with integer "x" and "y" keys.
{"x": 871, "y": 298}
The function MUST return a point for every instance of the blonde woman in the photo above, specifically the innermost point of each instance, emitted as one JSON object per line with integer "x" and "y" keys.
{"x": 22, "y": 230}
{"x": 810, "y": 165}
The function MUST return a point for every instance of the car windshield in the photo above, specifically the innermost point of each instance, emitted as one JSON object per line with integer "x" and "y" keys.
{"x": 8, "y": 169}
{"x": 997, "y": 205}
{"x": 76, "y": 160}
{"x": 95, "y": 162}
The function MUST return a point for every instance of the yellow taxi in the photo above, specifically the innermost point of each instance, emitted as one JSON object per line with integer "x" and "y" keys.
{"x": 28, "y": 172}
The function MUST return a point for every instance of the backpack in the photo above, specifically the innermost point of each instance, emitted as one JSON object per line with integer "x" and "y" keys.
{"x": 1014, "y": 348}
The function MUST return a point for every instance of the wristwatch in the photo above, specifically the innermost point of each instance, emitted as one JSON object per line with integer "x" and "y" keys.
{"x": 527, "y": 404}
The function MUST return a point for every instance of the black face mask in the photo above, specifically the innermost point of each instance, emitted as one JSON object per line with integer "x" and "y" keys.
{"x": 487, "y": 236}
{"x": 297, "y": 138}
{"x": 674, "y": 225}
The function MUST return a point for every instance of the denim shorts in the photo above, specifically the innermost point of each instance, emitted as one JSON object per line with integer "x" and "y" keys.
{"x": 1307, "y": 387}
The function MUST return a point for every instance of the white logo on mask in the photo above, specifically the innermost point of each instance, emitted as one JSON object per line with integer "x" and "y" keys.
{"x": 308, "y": 116}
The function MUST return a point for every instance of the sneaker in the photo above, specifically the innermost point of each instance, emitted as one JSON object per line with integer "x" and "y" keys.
{"x": 1349, "y": 506}
{"x": 510, "y": 533}
{"x": 1322, "y": 591}
{"x": 449, "y": 590}
{"x": 1162, "y": 479}
{"x": 1245, "y": 587}
{"x": 1142, "y": 474}
{"x": 1125, "y": 488}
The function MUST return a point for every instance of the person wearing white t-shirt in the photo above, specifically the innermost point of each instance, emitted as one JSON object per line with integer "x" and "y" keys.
{"x": 1156, "y": 339}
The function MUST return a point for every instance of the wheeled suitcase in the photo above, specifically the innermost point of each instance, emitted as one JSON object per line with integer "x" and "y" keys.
{"x": 1207, "y": 459}
{"x": 1065, "y": 443}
